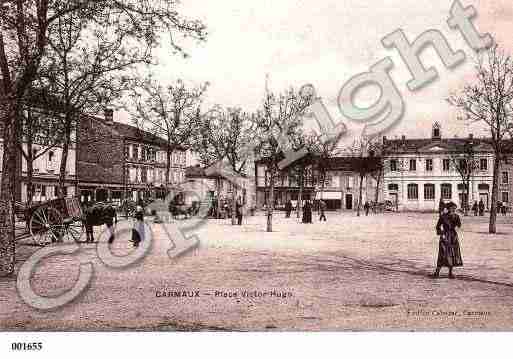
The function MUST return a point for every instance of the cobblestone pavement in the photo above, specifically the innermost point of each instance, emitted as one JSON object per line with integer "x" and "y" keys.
{"x": 350, "y": 273}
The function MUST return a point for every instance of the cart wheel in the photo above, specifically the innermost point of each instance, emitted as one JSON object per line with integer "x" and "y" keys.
{"x": 75, "y": 231}
{"x": 46, "y": 226}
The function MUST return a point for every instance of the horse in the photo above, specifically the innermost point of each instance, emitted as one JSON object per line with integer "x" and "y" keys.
{"x": 99, "y": 214}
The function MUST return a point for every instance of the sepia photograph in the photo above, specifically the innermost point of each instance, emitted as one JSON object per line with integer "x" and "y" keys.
{"x": 266, "y": 167}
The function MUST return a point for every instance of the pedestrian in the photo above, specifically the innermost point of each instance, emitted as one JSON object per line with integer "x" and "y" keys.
{"x": 138, "y": 230}
{"x": 499, "y": 206}
{"x": 322, "y": 208}
{"x": 238, "y": 211}
{"x": 366, "y": 206}
{"x": 111, "y": 218}
{"x": 475, "y": 208}
{"x": 481, "y": 207}
{"x": 288, "y": 208}
{"x": 307, "y": 212}
{"x": 449, "y": 254}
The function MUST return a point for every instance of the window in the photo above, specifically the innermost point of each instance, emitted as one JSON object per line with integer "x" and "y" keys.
{"x": 505, "y": 197}
{"x": 413, "y": 165}
{"x": 429, "y": 164}
{"x": 413, "y": 191}
{"x": 446, "y": 164}
{"x": 143, "y": 154}
{"x": 446, "y": 191}
{"x": 393, "y": 165}
{"x": 51, "y": 156}
{"x": 505, "y": 177}
{"x": 436, "y": 132}
{"x": 483, "y": 164}
{"x": 429, "y": 192}
{"x": 127, "y": 151}
{"x": 393, "y": 187}
{"x": 462, "y": 165}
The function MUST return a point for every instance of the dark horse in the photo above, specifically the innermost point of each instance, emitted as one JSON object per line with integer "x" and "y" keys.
{"x": 99, "y": 214}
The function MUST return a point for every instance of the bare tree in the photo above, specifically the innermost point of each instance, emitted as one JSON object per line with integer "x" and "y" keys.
{"x": 24, "y": 29}
{"x": 465, "y": 163}
{"x": 365, "y": 162}
{"x": 222, "y": 137}
{"x": 276, "y": 123}
{"x": 170, "y": 112}
{"x": 41, "y": 132}
{"x": 323, "y": 152}
{"x": 488, "y": 101}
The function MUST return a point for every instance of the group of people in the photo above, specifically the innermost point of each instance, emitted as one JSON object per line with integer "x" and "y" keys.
{"x": 307, "y": 211}
{"x": 478, "y": 208}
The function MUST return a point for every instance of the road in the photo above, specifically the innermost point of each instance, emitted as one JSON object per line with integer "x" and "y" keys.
{"x": 350, "y": 273}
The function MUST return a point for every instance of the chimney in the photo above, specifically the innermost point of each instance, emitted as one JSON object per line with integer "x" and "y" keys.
{"x": 109, "y": 115}
{"x": 471, "y": 135}
{"x": 384, "y": 139}
{"x": 403, "y": 137}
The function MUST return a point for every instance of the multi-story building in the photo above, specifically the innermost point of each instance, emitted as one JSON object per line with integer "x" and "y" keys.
{"x": 46, "y": 161}
{"x": 420, "y": 172}
{"x": 118, "y": 161}
{"x": 209, "y": 186}
{"x": 340, "y": 190}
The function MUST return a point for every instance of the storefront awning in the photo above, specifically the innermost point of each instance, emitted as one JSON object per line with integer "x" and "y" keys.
{"x": 328, "y": 195}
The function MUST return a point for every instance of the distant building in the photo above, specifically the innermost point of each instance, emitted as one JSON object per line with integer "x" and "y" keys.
{"x": 117, "y": 161}
{"x": 215, "y": 186}
{"x": 341, "y": 187}
{"x": 420, "y": 172}
{"x": 47, "y": 159}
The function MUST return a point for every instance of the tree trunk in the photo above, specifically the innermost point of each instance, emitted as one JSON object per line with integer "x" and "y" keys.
{"x": 168, "y": 168}
{"x": 360, "y": 197}
{"x": 300, "y": 194}
{"x": 466, "y": 198}
{"x": 270, "y": 206}
{"x": 234, "y": 204}
{"x": 495, "y": 193}
{"x": 7, "y": 241}
{"x": 30, "y": 179}
{"x": 376, "y": 195}
{"x": 64, "y": 157}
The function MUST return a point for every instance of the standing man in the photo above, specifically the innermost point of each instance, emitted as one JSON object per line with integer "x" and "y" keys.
{"x": 475, "y": 209}
{"x": 322, "y": 207}
{"x": 111, "y": 218}
{"x": 288, "y": 208}
{"x": 238, "y": 211}
{"x": 366, "y": 206}
{"x": 481, "y": 207}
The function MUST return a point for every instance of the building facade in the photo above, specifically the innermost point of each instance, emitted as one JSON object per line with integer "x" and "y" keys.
{"x": 215, "y": 186}
{"x": 418, "y": 173}
{"x": 46, "y": 160}
{"x": 117, "y": 161}
{"x": 340, "y": 191}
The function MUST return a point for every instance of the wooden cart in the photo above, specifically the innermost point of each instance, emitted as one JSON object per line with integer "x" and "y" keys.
{"x": 54, "y": 221}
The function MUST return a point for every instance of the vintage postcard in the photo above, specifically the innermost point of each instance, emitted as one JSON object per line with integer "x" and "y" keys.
{"x": 268, "y": 166}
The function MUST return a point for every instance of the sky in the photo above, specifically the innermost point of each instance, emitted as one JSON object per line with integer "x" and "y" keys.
{"x": 325, "y": 43}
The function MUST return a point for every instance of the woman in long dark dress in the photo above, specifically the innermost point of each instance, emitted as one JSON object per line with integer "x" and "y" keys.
{"x": 449, "y": 254}
{"x": 307, "y": 212}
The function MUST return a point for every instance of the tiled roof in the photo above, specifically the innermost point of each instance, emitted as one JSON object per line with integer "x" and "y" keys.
{"x": 339, "y": 163}
{"x": 415, "y": 145}
{"x": 134, "y": 133}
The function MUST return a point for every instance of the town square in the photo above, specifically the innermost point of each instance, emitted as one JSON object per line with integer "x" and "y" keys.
{"x": 341, "y": 274}
{"x": 216, "y": 168}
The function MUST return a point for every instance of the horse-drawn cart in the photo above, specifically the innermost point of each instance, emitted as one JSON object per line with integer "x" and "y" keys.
{"x": 56, "y": 220}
